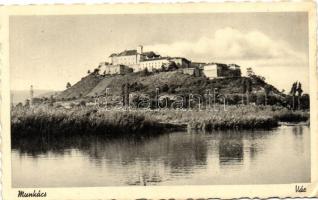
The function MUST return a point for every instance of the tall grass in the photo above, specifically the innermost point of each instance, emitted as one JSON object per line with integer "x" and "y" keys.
{"x": 234, "y": 117}
{"x": 82, "y": 121}
{"x": 116, "y": 122}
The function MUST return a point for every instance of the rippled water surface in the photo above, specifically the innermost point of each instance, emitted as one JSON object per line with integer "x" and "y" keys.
{"x": 281, "y": 155}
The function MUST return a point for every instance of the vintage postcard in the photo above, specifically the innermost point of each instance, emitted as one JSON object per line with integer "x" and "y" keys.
{"x": 159, "y": 101}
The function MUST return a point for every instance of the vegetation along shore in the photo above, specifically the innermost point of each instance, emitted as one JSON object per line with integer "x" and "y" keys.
{"x": 149, "y": 103}
{"x": 41, "y": 120}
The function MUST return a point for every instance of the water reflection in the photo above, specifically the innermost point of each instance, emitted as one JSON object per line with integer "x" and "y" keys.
{"x": 172, "y": 158}
{"x": 297, "y": 130}
{"x": 230, "y": 149}
{"x": 298, "y": 133}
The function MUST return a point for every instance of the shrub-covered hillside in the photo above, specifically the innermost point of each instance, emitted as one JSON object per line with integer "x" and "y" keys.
{"x": 81, "y": 88}
{"x": 173, "y": 83}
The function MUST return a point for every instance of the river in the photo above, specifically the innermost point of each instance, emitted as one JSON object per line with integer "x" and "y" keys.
{"x": 281, "y": 155}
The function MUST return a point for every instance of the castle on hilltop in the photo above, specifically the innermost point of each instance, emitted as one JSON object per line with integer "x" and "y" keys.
{"x": 136, "y": 60}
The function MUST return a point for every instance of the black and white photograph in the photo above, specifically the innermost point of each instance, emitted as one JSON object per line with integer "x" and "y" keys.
{"x": 159, "y": 99}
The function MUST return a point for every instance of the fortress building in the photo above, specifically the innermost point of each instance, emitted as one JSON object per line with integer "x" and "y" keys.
{"x": 215, "y": 70}
{"x": 136, "y": 60}
{"x": 139, "y": 60}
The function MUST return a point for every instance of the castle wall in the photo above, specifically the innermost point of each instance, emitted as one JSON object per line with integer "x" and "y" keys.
{"x": 211, "y": 71}
{"x": 125, "y": 60}
{"x": 153, "y": 64}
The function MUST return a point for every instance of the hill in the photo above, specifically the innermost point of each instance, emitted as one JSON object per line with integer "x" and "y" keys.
{"x": 81, "y": 88}
{"x": 174, "y": 83}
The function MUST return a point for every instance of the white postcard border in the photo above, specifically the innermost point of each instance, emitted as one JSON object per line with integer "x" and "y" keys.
{"x": 158, "y": 192}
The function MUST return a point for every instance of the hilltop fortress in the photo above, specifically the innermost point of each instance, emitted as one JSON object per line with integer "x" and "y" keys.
{"x": 136, "y": 60}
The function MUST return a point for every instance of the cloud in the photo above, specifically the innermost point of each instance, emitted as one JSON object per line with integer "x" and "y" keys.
{"x": 230, "y": 45}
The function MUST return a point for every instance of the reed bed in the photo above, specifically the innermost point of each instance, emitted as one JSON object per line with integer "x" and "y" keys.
{"x": 233, "y": 117}
{"x": 82, "y": 121}
{"x": 87, "y": 120}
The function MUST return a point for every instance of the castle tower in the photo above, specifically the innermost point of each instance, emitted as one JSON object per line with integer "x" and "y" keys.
{"x": 138, "y": 56}
{"x": 140, "y": 49}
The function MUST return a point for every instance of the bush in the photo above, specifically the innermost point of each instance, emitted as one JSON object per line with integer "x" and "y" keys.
{"x": 164, "y": 88}
{"x": 82, "y": 103}
{"x": 145, "y": 72}
{"x": 291, "y": 116}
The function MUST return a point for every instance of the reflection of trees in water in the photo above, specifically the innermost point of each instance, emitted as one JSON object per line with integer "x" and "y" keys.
{"x": 231, "y": 149}
{"x": 150, "y": 157}
{"x": 232, "y": 145}
{"x": 185, "y": 152}
{"x": 41, "y": 144}
{"x": 254, "y": 149}
{"x": 177, "y": 152}
{"x": 254, "y": 146}
{"x": 298, "y": 139}
{"x": 148, "y": 160}
{"x": 298, "y": 130}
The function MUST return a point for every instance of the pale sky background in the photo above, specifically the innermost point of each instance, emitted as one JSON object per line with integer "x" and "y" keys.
{"x": 49, "y": 51}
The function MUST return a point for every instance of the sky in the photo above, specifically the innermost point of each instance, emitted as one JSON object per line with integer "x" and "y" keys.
{"x": 49, "y": 51}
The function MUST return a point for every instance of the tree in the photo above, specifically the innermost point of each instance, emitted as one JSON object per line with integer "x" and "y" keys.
{"x": 260, "y": 99}
{"x": 304, "y": 99}
{"x": 163, "y": 68}
{"x": 145, "y": 72}
{"x": 267, "y": 90}
{"x": 68, "y": 85}
{"x": 172, "y": 66}
{"x": 125, "y": 90}
{"x": 82, "y": 103}
{"x": 299, "y": 91}
{"x": 27, "y": 103}
{"x": 247, "y": 89}
{"x": 293, "y": 89}
{"x": 250, "y": 72}
{"x": 88, "y": 71}
{"x": 52, "y": 100}
{"x": 249, "y": 85}
{"x": 244, "y": 89}
{"x": 96, "y": 71}
{"x": 165, "y": 88}
{"x": 292, "y": 92}
{"x": 19, "y": 105}
{"x": 262, "y": 78}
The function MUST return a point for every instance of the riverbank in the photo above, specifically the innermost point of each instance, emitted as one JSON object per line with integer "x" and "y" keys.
{"x": 232, "y": 117}
{"x": 86, "y": 120}
{"x": 82, "y": 121}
